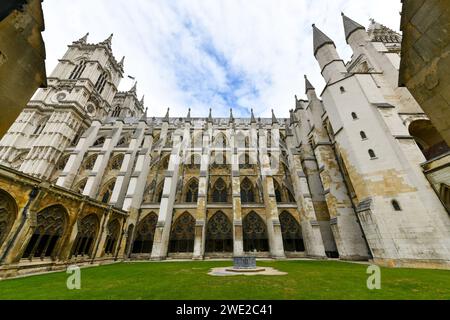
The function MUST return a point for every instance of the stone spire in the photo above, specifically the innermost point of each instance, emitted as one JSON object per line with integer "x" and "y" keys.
{"x": 121, "y": 63}
{"x": 108, "y": 41}
{"x": 308, "y": 85}
{"x": 253, "y": 120}
{"x": 144, "y": 115}
{"x": 287, "y": 126}
{"x": 298, "y": 104}
{"x": 166, "y": 118}
{"x": 274, "y": 119}
{"x": 134, "y": 88}
{"x": 210, "y": 119}
{"x": 231, "y": 116}
{"x": 350, "y": 26}
{"x": 142, "y": 100}
{"x": 320, "y": 39}
{"x": 83, "y": 39}
{"x": 188, "y": 117}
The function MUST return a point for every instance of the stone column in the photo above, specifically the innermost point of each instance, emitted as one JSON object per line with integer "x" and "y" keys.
{"x": 163, "y": 227}
{"x": 72, "y": 167}
{"x": 267, "y": 168}
{"x": 95, "y": 177}
{"x": 238, "y": 239}
{"x": 199, "y": 243}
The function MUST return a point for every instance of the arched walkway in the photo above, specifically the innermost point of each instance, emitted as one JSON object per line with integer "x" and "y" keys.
{"x": 292, "y": 233}
{"x": 143, "y": 242}
{"x": 255, "y": 234}
{"x": 219, "y": 234}
{"x": 87, "y": 233}
{"x": 182, "y": 234}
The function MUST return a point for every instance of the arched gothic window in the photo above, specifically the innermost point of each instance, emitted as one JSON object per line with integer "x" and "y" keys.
{"x": 113, "y": 232}
{"x": 182, "y": 234}
{"x": 79, "y": 187}
{"x": 8, "y": 212}
{"x": 101, "y": 82}
{"x": 105, "y": 196}
{"x": 219, "y": 234}
{"x": 99, "y": 142}
{"x": 78, "y": 70}
{"x": 278, "y": 194}
{"x": 192, "y": 192}
{"x": 372, "y": 154}
{"x": 143, "y": 242}
{"x": 62, "y": 162}
{"x": 255, "y": 233}
{"x": 292, "y": 233}
{"x": 244, "y": 162}
{"x": 220, "y": 192}
{"x": 87, "y": 232}
{"x": 90, "y": 162}
{"x": 116, "y": 112}
{"x": 116, "y": 162}
{"x": 354, "y": 116}
{"x": 159, "y": 193}
{"x": 51, "y": 224}
{"x": 220, "y": 141}
{"x": 363, "y": 135}
{"x": 247, "y": 191}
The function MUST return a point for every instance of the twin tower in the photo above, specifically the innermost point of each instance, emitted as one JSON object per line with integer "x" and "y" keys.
{"x": 351, "y": 184}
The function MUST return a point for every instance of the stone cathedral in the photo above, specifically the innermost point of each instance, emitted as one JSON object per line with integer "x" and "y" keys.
{"x": 87, "y": 178}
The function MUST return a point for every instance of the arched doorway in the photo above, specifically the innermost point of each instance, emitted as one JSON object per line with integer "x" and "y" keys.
{"x": 143, "y": 242}
{"x": 255, "y": 234}
{"x": 113, "y": 233}
{"x": 428, "y": 139}
{"x": 51, "y": 225}
{"x": 292, "y": 233}
{"x": 219, "y": 234}
{"x": 8, "y": 213}
{"x": 87, "y": 233}
{"x": 182, "y": 234}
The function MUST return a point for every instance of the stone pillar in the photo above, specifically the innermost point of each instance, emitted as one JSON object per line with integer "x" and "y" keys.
{"x": 72, "y": 167}
{"x": 95, "y": 177}
{"x": 200, "y": 219}
{"x": 163, "y": 227}
{"x": 238, "y": 241}
{"x": 267, "y": 168}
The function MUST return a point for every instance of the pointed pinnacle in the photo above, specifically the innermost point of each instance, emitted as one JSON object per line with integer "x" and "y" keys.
{"x": 166, "y": 118}
{"x": 142, "y": 99}
{"x": 320, "y": 39}
{"x": 274, "y": 119}
{"x": 350, "y": 26}
{"x": 121, "y": 63}
{"x": 84, "y": 38}
{"x": 231, "y": 115}
{"x": 134, "y": 88}
{"x": 188, "y": 117}
{"x": 253, "y": 120}
{"x": 210, "y": 119}
{"x": 308, "y": 85}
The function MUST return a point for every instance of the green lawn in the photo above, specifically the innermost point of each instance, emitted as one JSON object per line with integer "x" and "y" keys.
{"x": 189, "y": 280}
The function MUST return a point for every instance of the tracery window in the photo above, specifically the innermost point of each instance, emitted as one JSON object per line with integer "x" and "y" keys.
{"x": 87, "y": 232}
{"x": 292, "y": 233}
{"x": 90, "y": 162}
{"x": 247, "y": 191}
{"x": 107, "y": 192}
{"x": 8, "y": 211}
{"x": 116, "y": 112}
{"x": 182, "y": 234}
{"x": 113, "y": 232}
{"x": 99, "y": 142}
{"x": 101, "y": 82}
{"x": 255, "y": 233}
{"x": 220, "y": 192}
{"x": 192, "y": 192}
{"x": 143, "y": 242}
{"x": 116, "y": 162}
{"x": 78, "y": 70}
{"x": 51, "y": 224}
{"x": 219, "y": 234}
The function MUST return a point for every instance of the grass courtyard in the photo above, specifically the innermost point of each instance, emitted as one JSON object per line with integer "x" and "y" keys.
{"x": 190, "y": 280}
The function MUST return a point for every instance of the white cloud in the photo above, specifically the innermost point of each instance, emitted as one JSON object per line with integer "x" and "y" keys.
{"x": 212, "y": 53}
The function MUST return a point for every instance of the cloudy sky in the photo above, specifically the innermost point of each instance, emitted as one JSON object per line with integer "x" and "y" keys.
{"x": 212, "y": 53}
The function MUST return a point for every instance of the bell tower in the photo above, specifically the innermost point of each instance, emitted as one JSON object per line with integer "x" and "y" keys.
{"x": 80, "y": 89}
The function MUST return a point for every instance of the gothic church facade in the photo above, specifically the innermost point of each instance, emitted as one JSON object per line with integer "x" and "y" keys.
{"x": 86, "y": 177}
